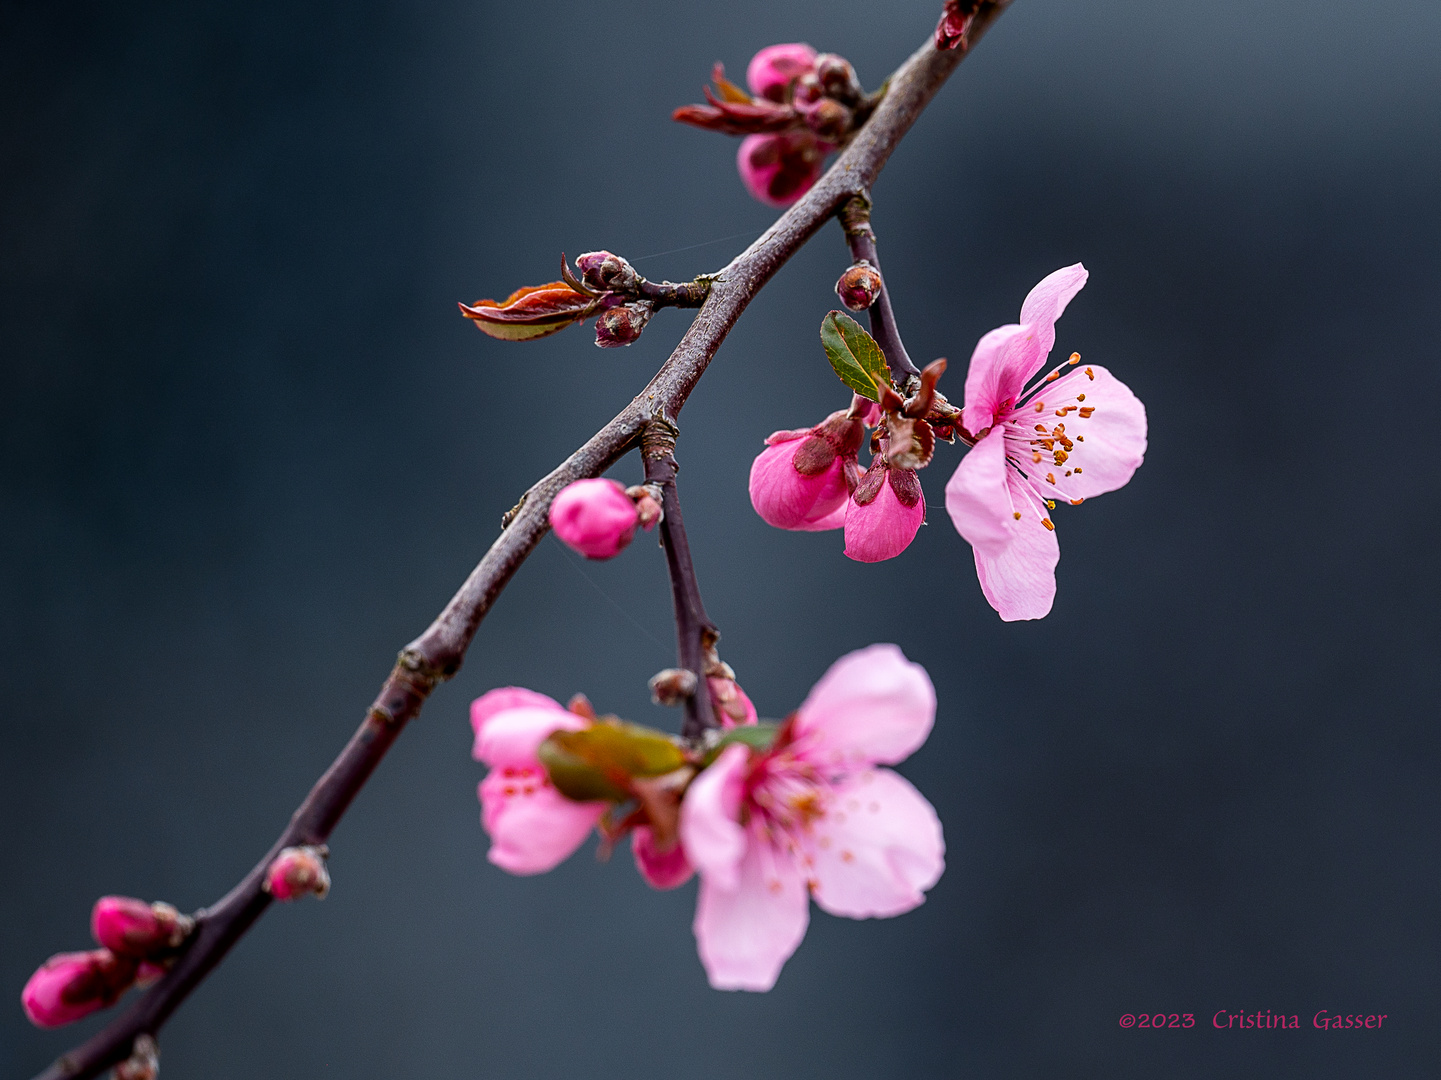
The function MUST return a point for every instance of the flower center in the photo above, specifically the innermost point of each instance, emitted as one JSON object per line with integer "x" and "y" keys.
{"x": 1038, "y": 444}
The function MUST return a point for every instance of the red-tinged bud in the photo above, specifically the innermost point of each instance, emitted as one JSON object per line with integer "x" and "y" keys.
{"x": 802, "y": 479}
{"x": 673, "y": 686}
{"x": 605, "y": 272}
{"x": 143, "y": 1062}
{"x": 884, "y": 514}
{"x": 297, "y": 872}
{"x": 859, "y": 286}
{"x": 70, "y": 986}
{"x": 594, "y": 517}
{"x": 130, "y": 927}
{"x": 732, "y": 705}
{"x": 779, "y": 169}
{"x": 620, "y": 326}
{"x": 532, "y": 312}
{"x": 838, "y": 78}
{"x": 772, "y": 70}
{"x": 828, "y": 119}
{"x": 807, "y": 90}
{"x": 956, "y": 19}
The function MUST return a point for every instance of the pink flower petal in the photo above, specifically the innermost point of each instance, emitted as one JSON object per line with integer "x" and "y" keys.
{"x": 977, "y": 497}
{"x": 773, "y": 69}
{"x": 787, "y": 499}
{"x": 877, "y": 850}
{"x": 511, "y": 736}
{"x": 666, "y": 870}
{"x": 710, "y": 829}
{"x": 499, "y": 700}
{"x": 1020, "y": 582}
{"x": 883, "y": 527}
{"x": 873, "y": 705}
{"x": 1045, "y": 303}
{"x": 533, "y": 828}
{"x": 745, "y": 934}
{"x": 1004, "y": 358}
{"x": 1108, "y": 439}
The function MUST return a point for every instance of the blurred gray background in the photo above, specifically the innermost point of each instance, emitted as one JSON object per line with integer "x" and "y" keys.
{"x": 250, "y": 448}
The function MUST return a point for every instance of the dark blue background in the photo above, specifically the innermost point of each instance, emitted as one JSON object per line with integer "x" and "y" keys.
{"x": 250, "y": 447}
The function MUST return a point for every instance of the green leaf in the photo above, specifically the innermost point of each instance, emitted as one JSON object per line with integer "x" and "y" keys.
{"x": 854, "y": 355}
{"x": 574, "y": 777}
{"x": 598, "y": 762}
{"x": 759, "y": 737}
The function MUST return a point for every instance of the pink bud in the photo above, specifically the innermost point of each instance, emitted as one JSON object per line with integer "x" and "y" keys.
{"x": 130, "y": 927}
{"x": 774, "y": 68}
{"x": 296, "y": 872}
{"x": 884, "y": 514}
{"x": 594, "y": 517}
{"x": 859, "y": 286}
{"x": 838, "y": 78}
{"x": 619, "y": 326}
{"x": 70, "y": 986}
{"x": 779, "y": 169}
{"x": 661, "y": 869}
{"x": 828, "y": 119}
{"x": 801, "y": 480}
{"x": 605, "y": 272}
{"x": 731, "y": 704}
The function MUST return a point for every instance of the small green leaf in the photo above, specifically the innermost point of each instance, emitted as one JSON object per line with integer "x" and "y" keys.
{"x": 759, "y": 737}
{"x": 854, "y": 355}
{"x": 574, "y": 777}
{"x": 598, "y": 762}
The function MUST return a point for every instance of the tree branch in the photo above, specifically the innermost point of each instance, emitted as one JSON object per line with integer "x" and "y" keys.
{"x": 437, "y": 654}
{"x": 855, "y": 218}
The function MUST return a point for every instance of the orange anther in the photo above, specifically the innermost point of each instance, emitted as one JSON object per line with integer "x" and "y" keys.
{"x": 1086, "y": 411}
{"x": 1051, "y": 478}
{"x": 1080, "y": 397}
{"x": 1048, "y": 524}
{"x": 1016, "y": 514}
{"x": 1075, "y": 358}
{"x": 1090, "y": 375}
{"x": 1053, "y": 375}
{"x": 1040, "y": 406}
{"x": 1035, "y": 456}
{"x": 1077, "y": 502}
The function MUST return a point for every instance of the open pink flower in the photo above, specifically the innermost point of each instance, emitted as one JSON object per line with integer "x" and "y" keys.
{"x": 803, "y": 477}
{"x": 1076, "y": 433}
{"x": 814, "y": 817}
{"x": 533, "y": 828}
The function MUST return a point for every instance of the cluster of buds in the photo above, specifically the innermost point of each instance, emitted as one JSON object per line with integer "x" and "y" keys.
{"x": 138, "y": 942}
{"x": 607, "y": 288}
{"x": 810, "y": 479}
{"x": 598, "y": 518}
{"x": 802, "y": 105}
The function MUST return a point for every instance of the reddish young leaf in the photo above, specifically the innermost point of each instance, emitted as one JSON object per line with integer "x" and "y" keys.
{"x": 531, "y": 312}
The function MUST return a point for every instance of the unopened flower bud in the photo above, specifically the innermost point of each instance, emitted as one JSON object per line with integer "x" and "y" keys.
{"x": 296, "y": 872}
{"x": 829, "y": 119}
{"x": 70, "y": 986}
{"x": 838, "y": 78}
{"x": 647, "y": 505}
{"x": 594, "y": 517}
{"x": 807, "y": 90}
{"x": 774, "y": 68}
{"x": 859, "y": 286}
{"x": 673, "y": 686}
{"x": 622, "y": 325}
{"x": 779, "y": 169}
{"x": 605, "y": 272}
{"x": 731, "y": 704}
{"x": 143, "y": 1062}
{"x": 130, "y": 927}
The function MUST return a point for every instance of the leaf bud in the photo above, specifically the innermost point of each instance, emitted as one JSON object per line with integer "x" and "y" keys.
{"x": 297, "y": 872}
{"x": 838, "y": 78}
{"x": 828, "y": 119}
{"x": 605, "y": 272}
{"x": 673, "y": 686}
{"x": 70, "y": 986}
{"x": 130, "y": 927}
{"x": 859, "y": 286}
{"x": 143, "y": 1062}
{"x": 622, "y": 325}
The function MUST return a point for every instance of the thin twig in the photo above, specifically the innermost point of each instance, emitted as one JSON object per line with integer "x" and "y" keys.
{"x": 437, "y": 654}
{"x": 855, "y": 218}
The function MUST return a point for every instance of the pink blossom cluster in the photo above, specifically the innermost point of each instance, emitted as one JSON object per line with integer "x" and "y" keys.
{"x": 1072, "y": 434}
{"x": 813, "y": 815}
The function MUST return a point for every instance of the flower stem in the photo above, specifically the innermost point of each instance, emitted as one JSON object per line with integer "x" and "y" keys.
{"x": 855, "y": 218}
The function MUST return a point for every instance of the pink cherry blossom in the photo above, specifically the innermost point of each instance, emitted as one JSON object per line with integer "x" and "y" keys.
{"x": 884, "y": 513}
{"x": 594, "y": 517}
{"x": 772, "y": 70}
{"x": 533, "y": 828}
{"x": 70, "y": 986}
{"x": 130, "y": 927}
{"x": 814, "y": 817}
{"x": 802, "y": 479}
{"x": 1076, "y": 433}
{"x": 778, "y": 169}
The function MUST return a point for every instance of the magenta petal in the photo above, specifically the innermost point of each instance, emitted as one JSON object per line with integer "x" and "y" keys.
{"x": 977, "y": 497}
{"x": 773, "y": 69}
{"x": 787, "y": 499}
{"x": 878, "y": 849}
{"x": 883, "y": 528}
{"x": 1045, "y": 303}
{"x": 666, "y": 870}
{"x": 710, "y": 829}
{"x": 746, "y": 934}
{"x": 873, "y": 705}
{"x": 499, "y": 700}
{"x": 533, "y": 828}
{"x": 1020, "y": 582}
{"x": 510, "y": 737}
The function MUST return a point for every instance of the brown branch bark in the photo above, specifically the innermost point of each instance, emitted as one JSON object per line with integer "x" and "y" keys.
{"x": 437, "y": 654}
{"x": 855, "y": 218}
